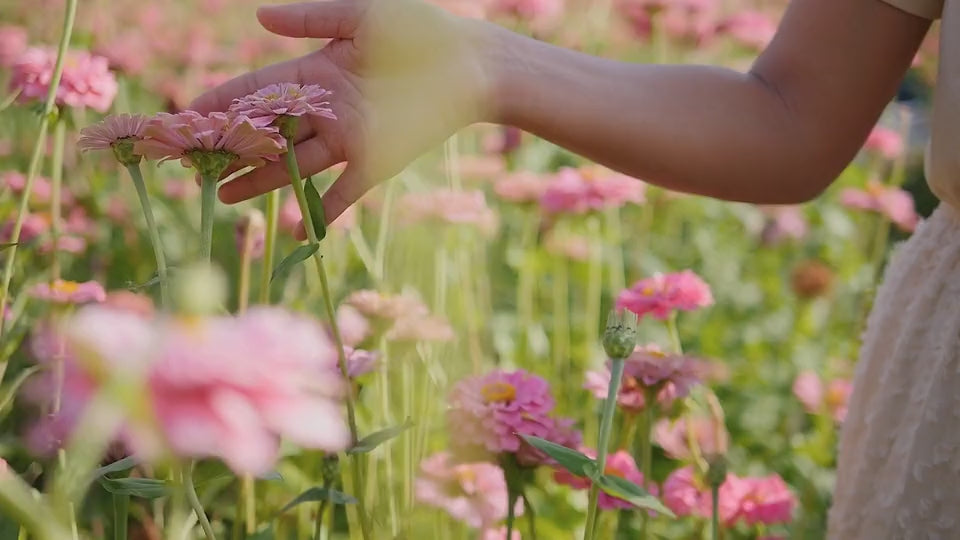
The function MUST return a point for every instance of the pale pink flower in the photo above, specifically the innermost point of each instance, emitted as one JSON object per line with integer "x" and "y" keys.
{"x": 13, "y": 42}
{"x": 782, "y": 222}
{"x": 535, "y": 12}
{"x": 576, "y": 247}
{"x": 111, "y": 130}
{"x": 374, "y": 305}
{"x": 268, "y": 104}
{"x": 421, "y": 328}
{"x": 483, "y": 167}
{"x": 710, "y": 436}
{"x": 41, "y": 191}
{"x": 500, "y": 534}
{"x": 473, "y": 493}
{"x": 127, "y": 53}
{"x": 80, "y": 224}
{"x": 254, "y": 224}
{"x": 179, "y": 136}
{"x": 448, "y": 206}
{"x": 816, "y": 398}
{"x": 65, "y": 244}
{"x": 360, "y": 362}
{"x": 749, "y": 28}
{"x": 690, "y": 21}
{"x": 886, "y": 142}
{"x": 648, "y": 371}
{"x": 894, "y": 203}
{"x": 132, "y": 302}
{"x": 69, "y": 292}
{"x": 178, "y": 189}
{"x": 663, "y": 294}
{"x": 808, "y": 388}
{"x": 34, "y": 226}
{"x": 290, "y": 216}
{"x": 86, "y": 80}
{"x": 521, "y": 187}
{"x": 765, "y": 500}
{"x": 354, "y": 327}
{"x": 620, "y": 464}
{"x": 577, "y": 191}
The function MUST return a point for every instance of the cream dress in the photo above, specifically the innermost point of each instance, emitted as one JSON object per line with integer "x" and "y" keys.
{"x": 899, "y": 465}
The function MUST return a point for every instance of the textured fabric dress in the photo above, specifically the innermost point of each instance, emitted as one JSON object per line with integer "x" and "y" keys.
{"x": 898, "y": 475}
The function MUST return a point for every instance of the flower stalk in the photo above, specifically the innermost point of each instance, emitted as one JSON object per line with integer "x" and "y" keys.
{"x": 269, "y": 244}
{"x": 152, "y": 230}
{"x": 56, "y": 180}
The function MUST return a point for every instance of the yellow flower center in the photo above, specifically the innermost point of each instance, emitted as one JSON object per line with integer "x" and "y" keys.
{"x": 499, "y": 392}
{"x": 65, "y": 287}
{"x": 613, "y": 471}
{"x": 466, "y": 475}
{"x": 649, "y": 290}
{"x": 656, "y": 354}
{"x": 875, "y": 188}
{"x": 835, "y": 397}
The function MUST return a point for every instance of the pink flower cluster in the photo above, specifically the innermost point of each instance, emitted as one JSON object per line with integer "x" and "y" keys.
{"x": 663, "y": 294}
{"x": 402, "y": 317}
{"x": 448, "y": 206}
{"x": 86, "y": 80}
{"x": 474, "y": 493}
{"x": 208, "y": 392}
{"x": 618, "y": 464}
{"x": 818, "y": 398}
{"x": 754, "y": 500}
{"x": 69, "y": 292}
{"x": 13, "y": 42}
{"x": 648, "y": 371}
{"x": 488, "y": 413}
{"x": 577, "y": 191}
{"x": 894, "y": 203}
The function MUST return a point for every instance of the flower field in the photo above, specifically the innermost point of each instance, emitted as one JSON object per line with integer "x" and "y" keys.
{"x": 503, "y": 341}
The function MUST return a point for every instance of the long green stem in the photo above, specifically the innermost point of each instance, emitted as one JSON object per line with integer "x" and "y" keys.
{"x": 208, "y": 200}
{"x": 674, "y": 334}
{"x": 594, "y": 289}
{"x": 526, "y": 284}
{"x": 18, "y": 503}
{"x": 606, "y": 422}
{"x": 152, "y": 230}
{"x": 194, "y": 500}
{"x": 121, "y": 504}
{"x": 65, "y": 35}
{"x": 645, "y": 452}
{"x": 56, "y": 181}
{"x": 294, "y": 170}
{"x": 269, "y": 244}
{"x": 715, "y": 511}
{"x": 247, "y": 500}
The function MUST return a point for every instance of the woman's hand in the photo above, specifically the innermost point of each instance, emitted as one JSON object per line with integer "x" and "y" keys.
{"x": 405, "y": 76}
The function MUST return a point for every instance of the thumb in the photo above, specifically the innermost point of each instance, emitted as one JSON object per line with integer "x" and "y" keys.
{"x": 338, "y": 19}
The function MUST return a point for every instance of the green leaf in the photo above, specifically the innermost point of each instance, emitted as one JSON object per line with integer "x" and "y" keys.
{"x": 317, "y": 494}
{"x": 632, "y": 493}
{"x": 145, "y": 488}
{"x": 368, "y": 443}
{"x": 299, "y": 255}
{"x": 569, "y": 459}
{"x": 9, "y": 391}
{"x": 7, "y": 245}
{"x": 315, "y": 204}
{"x": 120, "y": 465}
{"x": 266, "y": 534}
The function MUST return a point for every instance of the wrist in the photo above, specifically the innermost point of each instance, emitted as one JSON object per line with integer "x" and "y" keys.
{"x": 498, "y": 93}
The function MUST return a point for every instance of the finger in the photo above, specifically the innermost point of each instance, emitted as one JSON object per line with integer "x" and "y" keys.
{"x": 221, "y": 97}
{"x": 345, "y": 191}
{"x": 312, "y": 157}
{"x": 324, "y": 19}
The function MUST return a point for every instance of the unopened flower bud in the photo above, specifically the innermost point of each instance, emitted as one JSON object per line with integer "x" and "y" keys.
{"x": 716, "y": 470}
{"x": 251, "y": 232}
{"x": 812, "y": 279}
{"x": 620, "y": 336}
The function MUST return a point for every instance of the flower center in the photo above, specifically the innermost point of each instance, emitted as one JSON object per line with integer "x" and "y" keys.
{"x": 649, "y": 290}
{"x": 656, "y": 354}
{"x": 65, "y": 287}
{"x": 875, "y": 188}
{"x": 614, "y": 471}
{"x": 499, "y": 392}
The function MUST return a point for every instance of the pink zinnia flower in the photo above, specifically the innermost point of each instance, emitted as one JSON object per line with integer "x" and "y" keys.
{"x": 354, "y": 327}
{"x": 886, "y": 142}
{"x": 648, "y": 371}
{"x": 421, "y": 328}
{"x": 13, "y": 41}
{"x": 473, "y": 493}
{"x": 360, "y": 362}
{"x": 40, "y": 193}
{"x": 686, "y": 494}
{"x": 69, "y": 292}
{"x": 111, "y": 130}
{"x": 266, "y": 105}
{"x": 576, "y": 247}
{"x": 894, "y": 203}
{"x": 816, "y": 399}
{"x": 447, "y": 206}
{"x": 765, "y": 500}
{"x": 374, "y": 305}
{"x": 86, "y": 80}
{"x": 577, "y": 191}
{"x": 536, "y": 12}
{"x": 662, "y": 294}
{"x": 782, "y": 223}
{"x": 562, "y": 431}
{"x": 808, "y": 388}
{"x": 521, "y": 187}
{"x": 619, "y": 464}
{"x": 183, "y": 135}
{"x": 749, "y": 28}
{"x": 710, "y": 436}
{"x": 34, "y": 226}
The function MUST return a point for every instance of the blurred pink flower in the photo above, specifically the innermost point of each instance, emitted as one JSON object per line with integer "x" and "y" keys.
{"x": 86, "y": 80}
{"x": 577, "y": 191}
{"x": 752, "y": 29}
{"x": 111, "y": 130}
{"x": 375, "y": 305}
{"x": 894, "y": 203}
{"x": 816, "y": 399}
{"x": 838, "y": 394}
{"x": 576, "y": 247}
{"x": 808, "y": 388}
{"x": 686, "y": 494}
{"x": 290, "y": 216}
{"x": 562, "y": 431}
{"x": 264, "y": 106}
{"x": 127, "y": 53}
{"x": 41, "y": 191}
{"x": 534, "y": 12}
{"x": 782, "y": 222}
{"x": 661, "y": 294}
{"x": 132, "y": 302}
{"x": 13, "y": 42}
{"x": 69, "y": 292}
{"x": 620, "y": 464}
{"x": 353, "y": 326}
{"x": 74, "y": 245}
{"x": 500, "y": 534}
{"x": 473, "y": 493}
{"x": 181, "y": 135}
{"x": 504, "y": 141}
{"x": 711, "y": 437}
{"x": 254, "y": 224}
{"x": 448, "y": 206}
{"x": 766, "y": 500}
{"x": 886, "y": 142}
{"x": 648, "y": 370}
{"x": 360, "y": 362}
{"x": 421, "y": 328}
{"x": 34, "y": 226}
{"x": 484, "y": 167}
{"x": 521, "y": 187}
{"x": 179, "y": 189}
{"x": 80, "y": 224}
{"x": 690, "y": 21}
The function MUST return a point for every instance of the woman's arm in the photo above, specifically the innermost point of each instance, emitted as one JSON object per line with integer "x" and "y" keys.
{"x": 778, "y": 134}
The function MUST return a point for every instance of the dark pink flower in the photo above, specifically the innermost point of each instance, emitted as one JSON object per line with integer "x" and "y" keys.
{"x": 648, "y": 371}
{"x": 86, "y": 80}
{"x": 473, "y": 493}
{"x": 686, "y": 494}
{"x": 620, "y": 464}
{"x": 765, "y": 500}
{"x": 663, "y": 294}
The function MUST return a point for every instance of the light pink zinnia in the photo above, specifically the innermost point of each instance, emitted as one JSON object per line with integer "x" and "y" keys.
{"x": 41, "y": 191}
{"x": 663, "y": 294}
{"x": 86, "y": 80}
{"x": 375, "y": 305}
{"x": 782, "y": 223}
{"x": 648, "y": 370}
{"x": 264, "y": 106}
{"x": 448, "y": 206}
{"x": 886, "y": 142}
{"x": 114, "y": 128}
{"x": 13, "y": 41}
{"x": 69, "y": 292}
{"x": 766, "y": 500}
{"x": 674, "y": 437}
{"x": 620, "y": 464}
{"x": 535, "y": 12}
{"x": 816, "y": 399}
{"x": 473, "y": 493}
{"x": 686, "y": 494}
{"x": 179, "y": 136}
{"x": 521, "y": 187}
{"x": 894, "y": 203}
{"x": 577, "y": 191}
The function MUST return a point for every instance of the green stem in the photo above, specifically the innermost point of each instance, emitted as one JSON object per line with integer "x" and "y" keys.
{"x": 677, "y": 347}
{"x": 18, "y": 503}
{"x": 247, "y": 500}
{"x": 294, "y": 170}
{"x": 606, "y": 422}
{"x": 561, "y": 324}
{"x": 715, "y": 511}
{"x": 65, "y": 34}
{"x": 594, "y": 289}
{"x": 531, "y": 517}
{"x": 526, "y": 285}
{"x": 643, "y": 433}
{"x": 208, "y": 200}
{"x": 269, "y": 245}
{"x": 152, "y": 230}
{"x": 56, "y": 181}
{"x": 191, "y": 492}
{"x": 121, "y": 504}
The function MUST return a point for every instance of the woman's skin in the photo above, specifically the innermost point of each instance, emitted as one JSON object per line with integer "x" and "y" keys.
{"x": 407, "y": 75}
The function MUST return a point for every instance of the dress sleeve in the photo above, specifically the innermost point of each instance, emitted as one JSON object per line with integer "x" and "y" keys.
{"x": 928, "y": 9}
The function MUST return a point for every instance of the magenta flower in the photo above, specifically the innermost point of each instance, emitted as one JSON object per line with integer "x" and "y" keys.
{"x": 710, "y": 436}
{"x": 885, "y": 142}
{"x": 765, "y": 500}
{"x": 686, "y": 494}
{"x": 894, "y": 203}
{"x": 69, "y": 292}
{"x": 663, "y": 294}
{"x": 86, "y": 80}
{"x": 448, "y": 207}
{"x": 473, "y": 493}
{"x": 578, "y": 191}
{"x": 562, "y": 432}
{"x": 13, "y": 42}
{"x": 618, "y": 464}
{"x": 187, "y": 136}
{"x": 648, "y": 371}
{"x": 266, "y": 105}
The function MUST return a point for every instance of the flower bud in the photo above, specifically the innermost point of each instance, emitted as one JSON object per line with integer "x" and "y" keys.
{"x": 620, "y": 336}
{"x": 716, "y": 470}
{"x": 811, "y": 279}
